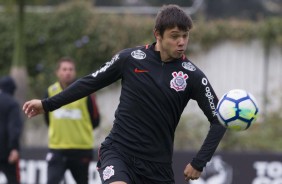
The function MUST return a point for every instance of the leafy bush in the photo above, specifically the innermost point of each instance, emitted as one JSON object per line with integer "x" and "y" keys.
{"x": 75, "y": 30}
{"x": 6, "y": 42}
{"x": 262, "y": 136}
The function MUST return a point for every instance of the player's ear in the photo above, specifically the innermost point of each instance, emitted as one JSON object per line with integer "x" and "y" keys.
{"x": 157, "y": 34}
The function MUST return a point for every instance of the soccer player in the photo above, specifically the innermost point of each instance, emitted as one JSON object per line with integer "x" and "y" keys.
{"x": 70, "y": 129}
{"x": 157, "y": 82}
{"x": 11, "y": 125}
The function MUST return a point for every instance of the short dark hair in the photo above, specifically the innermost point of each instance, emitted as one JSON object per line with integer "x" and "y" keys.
{"x": 171, "y": 16}
{"x": 64, "y": 59}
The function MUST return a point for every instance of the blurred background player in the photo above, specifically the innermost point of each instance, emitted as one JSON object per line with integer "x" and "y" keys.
{"x": 11, "y": 123}
{"x": 70, "y": 130}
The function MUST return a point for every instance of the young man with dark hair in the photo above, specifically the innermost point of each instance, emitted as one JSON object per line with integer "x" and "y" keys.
{"x": 157, "y": 82}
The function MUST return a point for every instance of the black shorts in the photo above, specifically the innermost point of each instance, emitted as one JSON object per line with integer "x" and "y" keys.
{"x": 114, "y": 165}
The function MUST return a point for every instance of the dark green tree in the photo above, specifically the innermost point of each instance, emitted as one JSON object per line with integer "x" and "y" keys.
{"x": 18, "y": 70}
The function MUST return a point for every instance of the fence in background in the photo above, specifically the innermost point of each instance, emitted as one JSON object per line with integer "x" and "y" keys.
{"x": 224, "y": 168}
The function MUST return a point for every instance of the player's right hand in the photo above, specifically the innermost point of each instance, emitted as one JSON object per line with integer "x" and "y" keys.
{"x": 33, "y": 107}
{"x": 190, "y": 173}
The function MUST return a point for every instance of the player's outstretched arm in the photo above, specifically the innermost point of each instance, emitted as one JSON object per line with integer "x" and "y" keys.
{"x": 190, "y": 173}
{"x": 33, "y": 107}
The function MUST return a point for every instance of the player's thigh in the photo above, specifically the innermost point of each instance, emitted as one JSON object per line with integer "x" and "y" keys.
{"x": 113, "y": 169}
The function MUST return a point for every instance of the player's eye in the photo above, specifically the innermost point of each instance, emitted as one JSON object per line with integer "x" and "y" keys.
{"x": 174, "y": 36}
{"x": 186, "y": 36}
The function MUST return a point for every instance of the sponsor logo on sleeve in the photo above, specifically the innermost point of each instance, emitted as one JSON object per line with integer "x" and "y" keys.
{"x": 178, "y": 82}
{"x": 106, "y": 66}
{"x": 209, "y": 95}
{"x": 188, "y": 66}
{"x": 138, "y": 54}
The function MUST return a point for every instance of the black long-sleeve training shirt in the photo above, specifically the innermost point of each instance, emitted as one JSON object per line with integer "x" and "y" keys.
{"x": 153, "y": 97}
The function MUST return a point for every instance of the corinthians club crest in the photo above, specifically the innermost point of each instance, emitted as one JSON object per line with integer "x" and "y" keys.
{"x": 178, "y": 82}
{"x": 108, "y": 172}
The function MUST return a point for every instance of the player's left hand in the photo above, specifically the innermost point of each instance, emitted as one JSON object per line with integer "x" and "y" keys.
{"x": 190, "y": 173}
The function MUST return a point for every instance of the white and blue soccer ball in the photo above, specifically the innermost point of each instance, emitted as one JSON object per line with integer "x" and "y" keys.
{"x": 237, "y": 110}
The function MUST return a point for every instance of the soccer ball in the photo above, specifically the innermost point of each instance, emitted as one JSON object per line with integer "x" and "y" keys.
{"x": 237, "y": 110}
